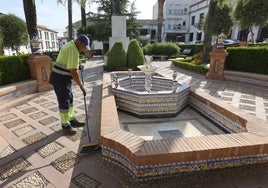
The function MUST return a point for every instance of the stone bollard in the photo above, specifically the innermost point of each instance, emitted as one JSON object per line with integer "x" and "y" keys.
{"x": 40, "y": 70}
{"x": 217, "y": 61}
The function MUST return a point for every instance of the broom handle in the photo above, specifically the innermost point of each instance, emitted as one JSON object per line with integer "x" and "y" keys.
{"x": 85, "y": 103}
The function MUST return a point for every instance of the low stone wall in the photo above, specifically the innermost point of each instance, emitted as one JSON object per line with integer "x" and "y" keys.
{"x": 165, "y": 158}
{"x": 246, "y": 77}
{"x": 11, "y": 91}
{"x": 223, "y": 115}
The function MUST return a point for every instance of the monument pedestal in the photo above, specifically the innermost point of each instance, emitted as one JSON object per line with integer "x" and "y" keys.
{"x": 217, "y": 61}
{"x": 40, "y": 70}
{"x": 119, "y": 32}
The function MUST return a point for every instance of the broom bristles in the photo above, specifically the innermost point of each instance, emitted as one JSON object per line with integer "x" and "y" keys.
{"x": 90, "y": 147}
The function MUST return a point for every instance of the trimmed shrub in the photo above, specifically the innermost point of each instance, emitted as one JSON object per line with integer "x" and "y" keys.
{"x": 135, "y": 55}
{"x": 13, "y": 69}
{"x": 247, "y": 59}
{"x": 202, "y": 69}
{"x": 116, "y": 60}
{"x": 166, "y": 49}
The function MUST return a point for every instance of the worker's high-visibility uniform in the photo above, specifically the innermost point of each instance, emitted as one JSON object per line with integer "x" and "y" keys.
{"x": 61, "y": 79}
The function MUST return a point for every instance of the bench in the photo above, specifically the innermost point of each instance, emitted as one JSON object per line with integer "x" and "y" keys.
{"x": 187, "y": 51}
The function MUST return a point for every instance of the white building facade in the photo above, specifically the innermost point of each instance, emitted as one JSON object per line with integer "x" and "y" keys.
{"x": 48, "y": 42}
{"x": 48, "y": 39}
{"x": 182, "y": 18}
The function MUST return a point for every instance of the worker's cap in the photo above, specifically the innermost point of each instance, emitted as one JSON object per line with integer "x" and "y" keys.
{"x": 84, "y": 39}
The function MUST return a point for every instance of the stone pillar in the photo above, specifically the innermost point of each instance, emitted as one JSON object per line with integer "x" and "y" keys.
{"x": 40, "y": 70}
{"x": 119, "y": 32}
{"x": 217, "y": 61}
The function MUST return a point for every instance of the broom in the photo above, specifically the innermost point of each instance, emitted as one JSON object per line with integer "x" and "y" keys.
{"x": 89, "y": 146}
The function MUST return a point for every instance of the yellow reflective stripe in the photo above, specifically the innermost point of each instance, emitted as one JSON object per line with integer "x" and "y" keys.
{"x": 64, "y": 118}
{"x": 71, "y": 112}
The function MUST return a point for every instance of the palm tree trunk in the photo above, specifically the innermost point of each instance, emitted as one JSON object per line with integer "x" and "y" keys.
{"x": 70, "y": 20}
{"x": 30, "y": 17}
{"x": 83, "y": 16}
{"x": 160, "y": 20}
{"x": 208, "y": 30}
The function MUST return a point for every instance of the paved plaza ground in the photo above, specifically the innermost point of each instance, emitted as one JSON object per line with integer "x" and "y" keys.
{"x": 35, "y": 152}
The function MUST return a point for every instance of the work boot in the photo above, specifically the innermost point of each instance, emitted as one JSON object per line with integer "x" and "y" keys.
{"x": 76, "y": 123}
{"x": 68, "y": 128}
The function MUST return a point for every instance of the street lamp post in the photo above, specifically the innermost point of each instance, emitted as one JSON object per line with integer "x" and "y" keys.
{"x": 35, "y": 42}
{"x": 221, "y": 40}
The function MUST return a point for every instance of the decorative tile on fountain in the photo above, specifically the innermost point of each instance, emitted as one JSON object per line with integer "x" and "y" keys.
{"x": 162, "y": 101}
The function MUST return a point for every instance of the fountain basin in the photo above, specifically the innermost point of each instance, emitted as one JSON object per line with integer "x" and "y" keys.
{"x": 165, "y": 99}
{"x": 149, "y": 159}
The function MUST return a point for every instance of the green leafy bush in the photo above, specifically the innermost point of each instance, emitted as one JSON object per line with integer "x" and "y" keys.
{"x": 116, "y": 60}
{"x": 197, "y": 58}
{"x": 166, "y": 49}
{"x": 13, "y": 69}
{"x": 135, "y": 55}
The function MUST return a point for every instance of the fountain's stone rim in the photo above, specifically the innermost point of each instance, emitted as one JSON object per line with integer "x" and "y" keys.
{"x": 180, "y": 86}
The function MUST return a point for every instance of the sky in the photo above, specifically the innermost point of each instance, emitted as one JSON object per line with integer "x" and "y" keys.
{"x": 55, "y": 16}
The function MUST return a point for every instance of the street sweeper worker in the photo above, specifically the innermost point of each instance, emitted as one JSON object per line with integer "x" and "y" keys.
{"x": 66, "y": 69}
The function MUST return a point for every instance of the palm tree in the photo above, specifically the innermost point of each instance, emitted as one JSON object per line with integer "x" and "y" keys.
{"x": 30, "y": 16}
{"x": 83, "y": 13}
{"x": 70, "y": 20}
{"x": 208, "y": 29}
{"x": 160, "y": 19}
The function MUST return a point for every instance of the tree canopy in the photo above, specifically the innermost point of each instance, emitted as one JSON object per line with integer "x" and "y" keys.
{"x": 223, "y": 19}
{"x": 249, "y": 13}
{"x": 14, "y": 31}
{"x": 101, "y": 28}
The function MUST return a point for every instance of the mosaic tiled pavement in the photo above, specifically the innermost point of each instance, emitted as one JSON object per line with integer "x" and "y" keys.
{"x": 34, "y": 152}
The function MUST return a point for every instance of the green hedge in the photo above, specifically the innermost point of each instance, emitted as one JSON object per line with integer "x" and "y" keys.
{"x": 166, "y": 49}
{"x": 185, "y": 64}
{"x": 248, "y": 59}
{"x": 13, "y": 69}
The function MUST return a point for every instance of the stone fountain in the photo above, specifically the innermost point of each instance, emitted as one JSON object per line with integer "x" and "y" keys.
{"x": 147, "y": 95}
{"x": 176, "y": 154}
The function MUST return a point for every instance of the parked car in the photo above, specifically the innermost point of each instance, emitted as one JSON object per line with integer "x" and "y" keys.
{"x": 231, "y": 42}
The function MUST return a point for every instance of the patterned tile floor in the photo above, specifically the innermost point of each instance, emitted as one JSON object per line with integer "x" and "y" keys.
{"x": 34, "y": 152}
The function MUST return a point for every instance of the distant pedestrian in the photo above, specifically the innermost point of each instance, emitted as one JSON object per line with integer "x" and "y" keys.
{"x": 64, "y": 70}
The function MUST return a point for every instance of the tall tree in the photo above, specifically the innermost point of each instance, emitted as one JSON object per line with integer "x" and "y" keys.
{"x": 160, "y": 19}
{"x": 223, "y": 19}
{"x": 14, "y": 32}
{"x": 70, "y": 20}
{"x": 208, "y": 29}
{"x": 249, "y": 13}
{"x": 30, "y": 16}
{"x": 83, "y": 16}
{"x": 83, "y": 12}
{"x": 101, "y": 30}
